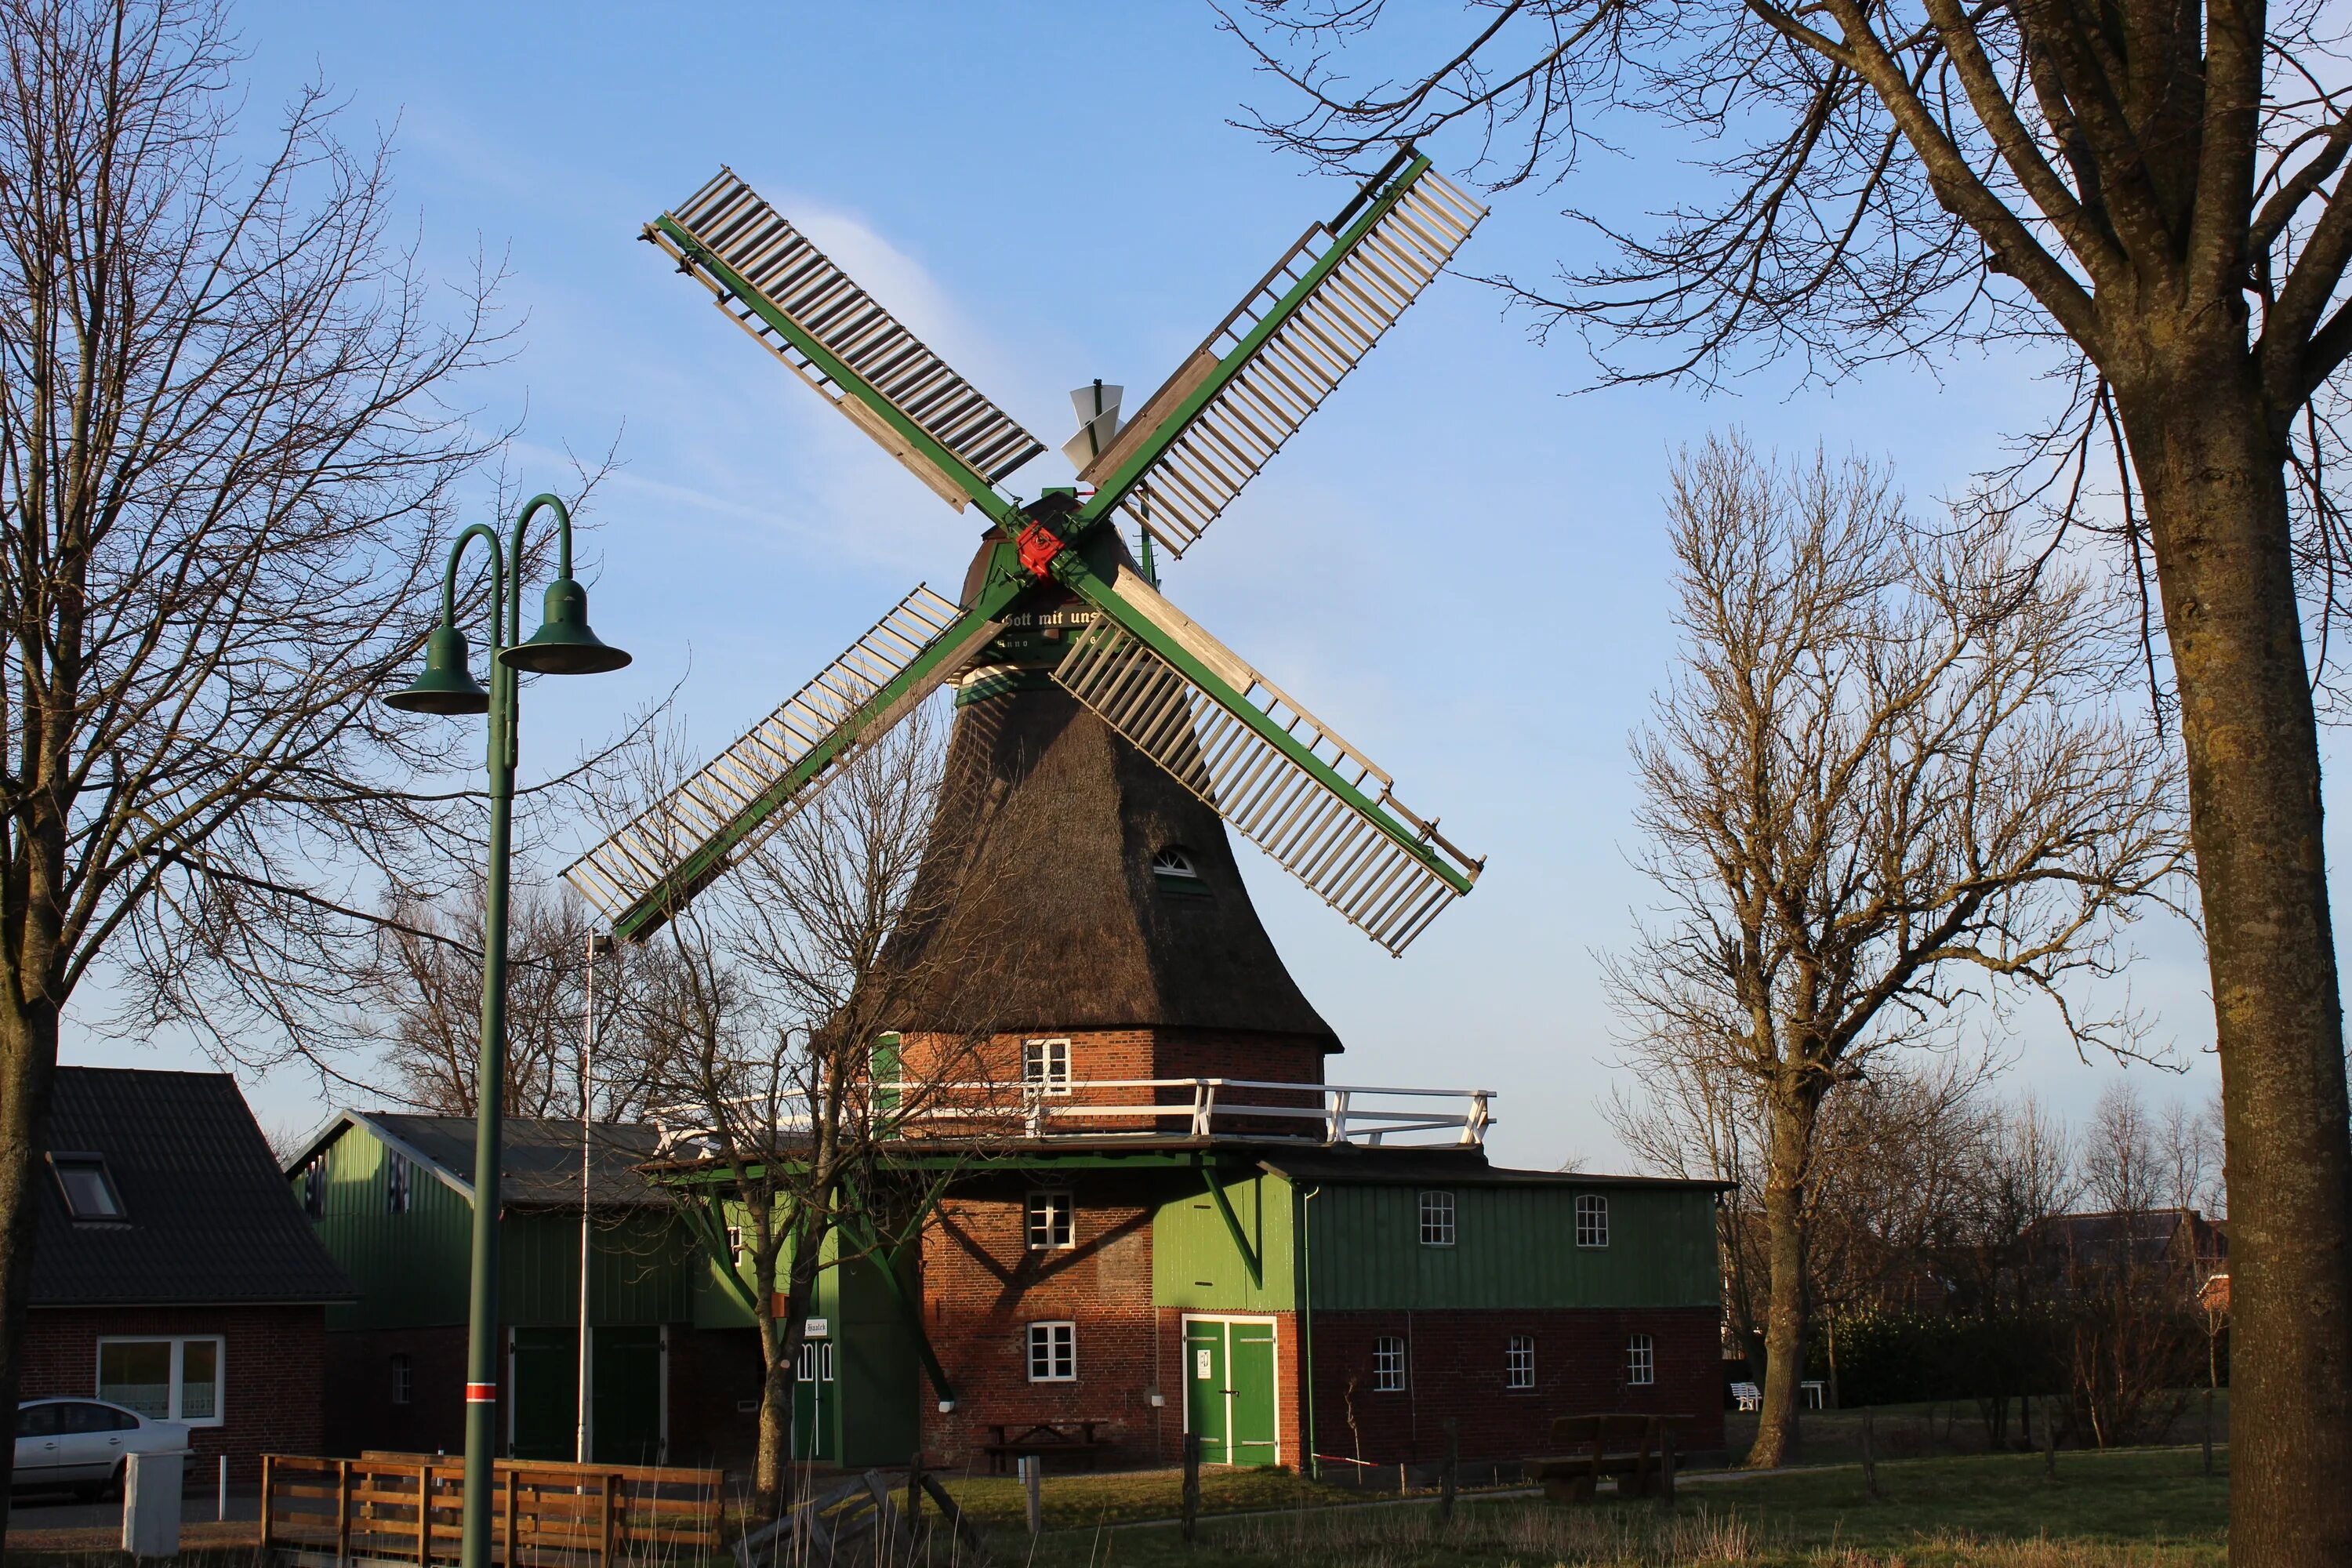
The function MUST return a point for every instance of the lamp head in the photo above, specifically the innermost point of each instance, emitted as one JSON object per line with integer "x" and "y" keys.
{"x": 445, "y": 686}
{"x": 563, "y": 645}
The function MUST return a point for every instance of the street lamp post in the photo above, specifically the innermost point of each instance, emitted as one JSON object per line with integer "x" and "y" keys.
{"x": 563, "y": 646}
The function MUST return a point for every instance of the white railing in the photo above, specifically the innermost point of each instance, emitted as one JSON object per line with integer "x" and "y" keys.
{"x": 1198, "y": 1107}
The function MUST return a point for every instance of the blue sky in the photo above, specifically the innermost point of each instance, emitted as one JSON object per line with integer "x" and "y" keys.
{"x": 1459, "y": 567}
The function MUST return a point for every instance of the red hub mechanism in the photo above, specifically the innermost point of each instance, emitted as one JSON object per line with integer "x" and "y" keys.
{"x": 1037, "y": 546}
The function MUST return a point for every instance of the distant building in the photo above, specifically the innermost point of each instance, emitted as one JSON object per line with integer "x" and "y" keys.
{"x": 171, "y": 1273}
{"x": 673, "y": 1354}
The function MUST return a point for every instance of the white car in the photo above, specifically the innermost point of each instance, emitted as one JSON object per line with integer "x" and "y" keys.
{"x": 79, "y": 1443}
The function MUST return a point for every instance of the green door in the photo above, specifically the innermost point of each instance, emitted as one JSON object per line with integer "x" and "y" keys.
{"x": 625, "y": 1395}
{"x": 815, "y": 1403}
{"x": 545, "y": 1380}
{"x": 1249, "y": 1372}
{"x": 1205, "y": 1395}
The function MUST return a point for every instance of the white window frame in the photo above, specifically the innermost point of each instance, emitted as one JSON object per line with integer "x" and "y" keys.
{"x": 404, "y": 1379}
{"x": 1058, "y": 1338}
{"x": 814, "y": 1355}
{"x": 1519, "y": 1362}
{"x": 1058, "y": 1211}
{"x": 1177, "y": 861}
{"x": 1591, "y": 1219}
{"x": 314, "y": 1186}
{"x": 179, "y": 1344}
{"x": 1046, "y": 1066}
{"x": 735, "y": 1244}
{"x": 1389, "y": 1369}
{"x": 1641, "y": 1361}
{"x": 399, "y": 1182}
{"x": 1437, "y": 1211}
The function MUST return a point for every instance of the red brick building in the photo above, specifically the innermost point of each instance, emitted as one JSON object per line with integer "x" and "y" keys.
{"x": 182, "y": 1283}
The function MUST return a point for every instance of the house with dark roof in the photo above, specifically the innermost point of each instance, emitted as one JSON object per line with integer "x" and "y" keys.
{"x": 172, "y": 1273}
{"x": 672, "y": 1353}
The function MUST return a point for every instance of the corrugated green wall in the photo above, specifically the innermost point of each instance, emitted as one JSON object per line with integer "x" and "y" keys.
{"x": 411, "y": 1268}
{"x": 1194, "y": 1264}
{"x": 1514, "y": 1246}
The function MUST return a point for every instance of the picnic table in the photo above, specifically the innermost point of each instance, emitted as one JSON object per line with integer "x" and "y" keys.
{"x": 1638, "y": 1449}
{"x": 1076, "y": 1439}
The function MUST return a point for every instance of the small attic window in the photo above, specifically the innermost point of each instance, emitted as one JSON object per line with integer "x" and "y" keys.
{"x": 1173, "y": 870}
{"x": 88, "y": 1186}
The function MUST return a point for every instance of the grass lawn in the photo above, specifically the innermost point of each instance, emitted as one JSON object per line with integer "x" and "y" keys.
{"x": 1927, "y": 1431}
{"x": 1082, "y": 1502}
{"x": 2142, "y": 1509}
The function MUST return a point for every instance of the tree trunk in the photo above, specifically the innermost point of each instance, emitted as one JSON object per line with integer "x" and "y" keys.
{"x": 771, "y": 1467}
{"x": 29, "y": 1060}
{"x": 2213, "y": 470}
{"x": 1794, "y": 1114}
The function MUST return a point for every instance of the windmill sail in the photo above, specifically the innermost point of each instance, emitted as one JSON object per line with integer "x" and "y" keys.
{"x": 642, "y": 874}
{"x": 1230, "y": 406}
{"x": 783, "y": 291}
{"x": 1266, "y": 765}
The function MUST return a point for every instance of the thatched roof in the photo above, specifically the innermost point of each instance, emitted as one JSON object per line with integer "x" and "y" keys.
{"x": 1052, "y": 821}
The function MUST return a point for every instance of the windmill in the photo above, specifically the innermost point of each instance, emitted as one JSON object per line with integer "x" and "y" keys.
{"x": 1258, "y": 758}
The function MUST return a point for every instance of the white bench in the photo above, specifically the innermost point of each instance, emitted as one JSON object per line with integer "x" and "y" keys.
{"x": 1748, "y": 1396}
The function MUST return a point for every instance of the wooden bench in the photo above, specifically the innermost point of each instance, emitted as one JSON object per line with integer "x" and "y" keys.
{"x": 1073, "y": 1439}
{"x": 1638, "y": 1450}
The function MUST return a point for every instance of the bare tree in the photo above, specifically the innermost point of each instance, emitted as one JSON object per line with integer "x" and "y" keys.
{"x": 786, "y": 990}
{"x": 2152, "y": 194}
{"x": 422, "y": 1005}
{"x": 1884, "y": 787}
{"x": 224, "y": 449}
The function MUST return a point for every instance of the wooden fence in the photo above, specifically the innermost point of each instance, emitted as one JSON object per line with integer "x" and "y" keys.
{"x": 408, "y": 1508}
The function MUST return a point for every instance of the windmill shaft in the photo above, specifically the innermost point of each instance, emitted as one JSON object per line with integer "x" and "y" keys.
{"x": 1287, "y": 781}
{"x": 643, "y": 874}
{"x": 833, "y": 334}
{"x": 1278, "y": 355}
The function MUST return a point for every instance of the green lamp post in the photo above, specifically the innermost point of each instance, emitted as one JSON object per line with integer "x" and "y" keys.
{"x": 563, "y": 646}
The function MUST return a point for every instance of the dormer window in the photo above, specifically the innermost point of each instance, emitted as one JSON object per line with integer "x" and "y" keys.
{"x": 88, "y": 1186}
{"x": 1173, "y": 871}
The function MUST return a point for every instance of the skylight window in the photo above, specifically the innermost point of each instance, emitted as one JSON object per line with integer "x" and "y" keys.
{"x": 88, "y": 1186}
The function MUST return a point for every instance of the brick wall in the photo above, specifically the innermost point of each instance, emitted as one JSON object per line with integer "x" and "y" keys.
{"x": 1131, "y": 1053}
{"x": 363, "y": 1414}
{"x": 713, "y": 1374}
{"x": 1455, "y": 1368}
{"x": 274, "y": 1362}
{"x": 982, "y": 1286}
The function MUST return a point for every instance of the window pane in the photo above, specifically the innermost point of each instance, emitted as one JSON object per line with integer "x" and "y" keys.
{"x": 200, "y": 1380}
{"x": 37, "y": 1420}
{"x": 137, "y": 1373}
{"x": 89, "y": 1195}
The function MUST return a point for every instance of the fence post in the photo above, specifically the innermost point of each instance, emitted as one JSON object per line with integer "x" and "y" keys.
{"x": 2049, "y": 1438}
{"x": 914, "y": 1491}
{"x": 1192, "y": 1508}
{"x": 612, "y": 1519}
{"x": 1665, "y": 1466}
{"x": 424, "y": 1514}
{"x": 1032, "y": 1486}
{"x": 1448, "y": 1479}
{"x": 343, "y": 1511}
{"x": 514, "y": 1523}
{"x": 268, "y": 1474}
{"x": 2208, "y": 1431}
{"x": 1869, "y": 1459}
